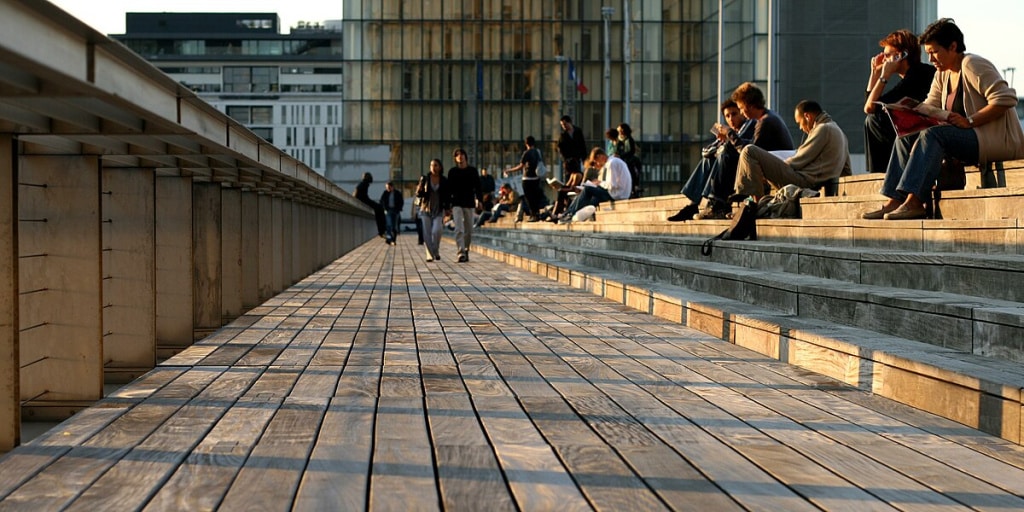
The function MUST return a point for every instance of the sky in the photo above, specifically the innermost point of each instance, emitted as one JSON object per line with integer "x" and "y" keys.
{"x": 990, "y": 26}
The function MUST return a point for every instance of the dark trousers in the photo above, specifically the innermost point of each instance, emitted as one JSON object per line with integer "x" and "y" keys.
{"x": 879, "y": 137}
{"x": 534, "y": 196}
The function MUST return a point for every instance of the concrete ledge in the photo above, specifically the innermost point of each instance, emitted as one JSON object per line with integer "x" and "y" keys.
{"x": 975, "y": 391}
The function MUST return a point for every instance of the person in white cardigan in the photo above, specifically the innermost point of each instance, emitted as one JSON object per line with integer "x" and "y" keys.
{"x": 613, "y": 184}
{"x": 981, "y": 124}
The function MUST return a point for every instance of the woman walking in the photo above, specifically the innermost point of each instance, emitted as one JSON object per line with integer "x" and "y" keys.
{"x": 435, "y": 203}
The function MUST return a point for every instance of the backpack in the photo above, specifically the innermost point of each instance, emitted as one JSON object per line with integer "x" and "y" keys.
{"x": 743, "y": 227}
{"x": 542, "y": 170}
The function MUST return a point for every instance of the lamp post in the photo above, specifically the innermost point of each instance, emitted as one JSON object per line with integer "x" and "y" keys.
{"x": 606, "y": 14}
{"x": 627, "y": 58}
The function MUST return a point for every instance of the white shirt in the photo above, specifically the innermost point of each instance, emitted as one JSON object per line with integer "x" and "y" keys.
{"x": 615, "y": 178}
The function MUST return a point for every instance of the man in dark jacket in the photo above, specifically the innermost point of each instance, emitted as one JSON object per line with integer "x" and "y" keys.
{"x": 572, "y": 147}
{"x": 392, "y": 202}
{"x": 464, "y": 181}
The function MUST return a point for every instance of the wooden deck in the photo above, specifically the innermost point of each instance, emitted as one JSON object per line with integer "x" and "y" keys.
{"x": 387, "y": 383}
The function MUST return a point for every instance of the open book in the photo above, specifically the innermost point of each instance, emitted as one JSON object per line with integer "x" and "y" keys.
{"x": 555, "y": 183}
{"x": 911, "y": 116}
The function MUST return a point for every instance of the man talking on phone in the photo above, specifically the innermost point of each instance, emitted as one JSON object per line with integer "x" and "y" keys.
{"x": 900, "y": 56}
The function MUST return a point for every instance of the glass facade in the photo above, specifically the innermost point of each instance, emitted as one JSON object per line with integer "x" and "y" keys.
{"x": 424, "y": 76}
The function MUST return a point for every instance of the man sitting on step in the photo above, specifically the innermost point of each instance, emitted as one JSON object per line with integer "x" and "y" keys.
{"x": 719, "y": 156}
{"x": 824, "y": 155}
{"x": 614, "y": 183}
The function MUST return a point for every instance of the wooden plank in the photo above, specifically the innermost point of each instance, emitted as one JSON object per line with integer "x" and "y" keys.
{"x": 59, "y": 483}
{"x": 337, "y": 476}
{"x": 402, "y": 476}
{"x": 130, "y": 483}
{"x": 270, "y": 477}
{"x": 203, "y": 478}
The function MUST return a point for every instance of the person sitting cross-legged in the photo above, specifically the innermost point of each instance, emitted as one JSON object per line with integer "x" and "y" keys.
{"x": 613, "y": 184}
{"x": 824, "y": 155}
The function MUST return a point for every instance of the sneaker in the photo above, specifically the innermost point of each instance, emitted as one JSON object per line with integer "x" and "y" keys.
{"x": 712, "y": 213}
{"x": 685, "y": 214}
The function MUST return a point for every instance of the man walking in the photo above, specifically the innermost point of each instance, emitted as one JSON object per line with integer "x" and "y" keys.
{"x": 464, "y": 181}
{"x": 392, "y": 202}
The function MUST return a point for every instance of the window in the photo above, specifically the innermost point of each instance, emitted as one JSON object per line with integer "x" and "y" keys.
{"x": 250, "y": 79}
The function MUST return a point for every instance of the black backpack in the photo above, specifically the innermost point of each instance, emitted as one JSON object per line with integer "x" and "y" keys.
{"x": 744, "y": 227}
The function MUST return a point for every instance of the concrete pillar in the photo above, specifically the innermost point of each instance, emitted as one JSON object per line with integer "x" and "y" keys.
{"x": 60, "y": 287}
{"x": 10, "y": 396}
{"x": 206, "y": 258}
{"x": 287, "y": 247}
{"x": 129, "y": 275}
{"x": 265, "y": 264}
{"x": 277, "y": 246}
{"x": 173, "y": 265}
{"x": 250, "y": 257}
{"x": 231, "y": 254}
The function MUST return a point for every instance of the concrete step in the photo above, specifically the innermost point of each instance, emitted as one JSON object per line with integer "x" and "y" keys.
{"x": 980, "y": 392}
{"x": 979, "y": 325}
{"x": 978, "y": 275}
{"x": 1011, "y": 175}
{"x": 969, "y": 204}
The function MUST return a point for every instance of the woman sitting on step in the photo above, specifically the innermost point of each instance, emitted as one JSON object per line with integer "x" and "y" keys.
{"x": 981, "y": 126}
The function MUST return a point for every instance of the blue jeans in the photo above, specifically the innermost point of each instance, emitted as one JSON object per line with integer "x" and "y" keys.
{"x": 713, "y": 178}
{"x": 697, "y": 185}
{"x": 590, "y": 196}
{"x": 393, "y": 223}
{"x": 916, "y": 159}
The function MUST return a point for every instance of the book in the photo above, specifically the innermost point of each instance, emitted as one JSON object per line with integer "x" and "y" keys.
{"x": 555, "y": 183}
{"x": 910, "y": 116}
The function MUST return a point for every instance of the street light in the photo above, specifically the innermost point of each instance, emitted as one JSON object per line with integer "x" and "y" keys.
{"x": 606, "y": 14}
{"x": 1008, "y": 73}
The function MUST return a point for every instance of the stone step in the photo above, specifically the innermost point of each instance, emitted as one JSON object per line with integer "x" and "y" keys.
{"x": 981, "y": 392}
{"x": 1011, "y": 175}
{"x": 982, "y": 326}
{"x": 977, "y": 204}
{"x": 978, "y": 275}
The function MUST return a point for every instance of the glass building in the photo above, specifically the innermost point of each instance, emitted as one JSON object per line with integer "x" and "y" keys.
{"x": 284, "y": 87}
{"x": 425, "y": 76}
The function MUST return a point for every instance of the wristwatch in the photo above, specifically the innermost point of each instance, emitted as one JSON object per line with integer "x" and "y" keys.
{"x": 883, "y": 80}
{"x": 970, "y": 120}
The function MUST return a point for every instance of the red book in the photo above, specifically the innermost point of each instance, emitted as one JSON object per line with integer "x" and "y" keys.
{"x": 911, "y": 116}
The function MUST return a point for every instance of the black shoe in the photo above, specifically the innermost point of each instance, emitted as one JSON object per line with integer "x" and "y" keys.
{"x": 685, "y": 214}
{"x": 463, "y": 258}
{"x": 737, "y": 198}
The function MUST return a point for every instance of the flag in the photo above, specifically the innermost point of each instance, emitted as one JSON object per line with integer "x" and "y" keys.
{"x": 576, "y": 79}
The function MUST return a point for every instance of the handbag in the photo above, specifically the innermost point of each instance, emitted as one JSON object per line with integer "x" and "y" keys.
{"x": 743, "y": 227}
{"x": 951, "y": 175}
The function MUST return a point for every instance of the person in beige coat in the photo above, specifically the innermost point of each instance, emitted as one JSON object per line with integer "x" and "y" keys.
{"x": 824, "y": 155}
{"x": 981, "y": 124}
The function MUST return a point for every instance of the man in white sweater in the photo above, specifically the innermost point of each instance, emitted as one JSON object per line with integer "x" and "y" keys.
{"x": 824, "y": 155}
{"x": 614, "y": 183}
